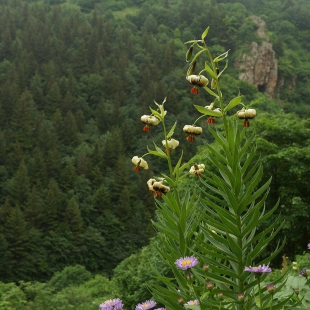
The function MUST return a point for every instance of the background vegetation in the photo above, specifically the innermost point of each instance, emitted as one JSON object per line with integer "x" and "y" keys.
{"x": 75, "y": 77}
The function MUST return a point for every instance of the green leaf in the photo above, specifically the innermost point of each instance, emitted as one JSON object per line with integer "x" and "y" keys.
{"x": 210, "y": 71}
{"x": 159, "y": 154}
{"x": 170, "y": 133}
{"x": 204, "y": 34}
{"x": 155, "y": 113}
{"x": 221, "y": 57}
{"x": 212, "y": 93}
{"x": 234, "y": 102}
{"x": 169, "y": 180}
{"x": 218, "y": 76}
{"x": 206, "y": 111}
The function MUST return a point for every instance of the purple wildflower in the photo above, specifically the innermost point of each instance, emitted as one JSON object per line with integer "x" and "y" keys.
{"x": 304, "y": 273}
{"x": 259, "y": 269}
{"x": 187, "y": 262}
{"x": 160, "y": 309}
{"x": 112, "y": 304}
{"x": 192, "y": 303}
{"x": 308, "y": 246}
{"x": 146, "y": 305}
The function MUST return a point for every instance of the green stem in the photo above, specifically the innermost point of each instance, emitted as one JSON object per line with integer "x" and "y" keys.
{"x": 199, "y": 118}
{"x": 240, "y": 262}
{"x": 260, "y": 293}
{"x": 168, "y": 151}
{"x": 220, "y": 98}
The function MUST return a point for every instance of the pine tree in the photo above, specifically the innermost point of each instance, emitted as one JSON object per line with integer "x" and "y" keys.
{"x": 23, "y": 120}
{"x": 68, "y": 177}
{"x": 53, "y": 207}
{"x": 73, "y": 217}
{"x": 19, "y": 187}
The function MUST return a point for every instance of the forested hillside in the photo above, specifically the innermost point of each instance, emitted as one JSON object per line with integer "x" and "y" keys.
{"x": 75, "y": 78}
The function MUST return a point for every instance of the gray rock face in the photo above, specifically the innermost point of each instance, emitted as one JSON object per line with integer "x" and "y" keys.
{"x": 259, "y": 66}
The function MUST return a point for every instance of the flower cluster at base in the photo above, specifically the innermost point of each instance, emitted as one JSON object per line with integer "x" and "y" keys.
{"x": 157, "y": 188}
{"x": 112, "y": 304}
{"x": 193, "y": 131}
{"x": 260, "y": 269}
{"x": 187, "y": 262}
{"x": 139, "y": 162}
{"x": 149, "y": 304}
{"x": 197, "y": 170}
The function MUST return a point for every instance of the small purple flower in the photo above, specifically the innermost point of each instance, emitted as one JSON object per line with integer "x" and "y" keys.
{"x": 192, "y": 303}
{"x": 270, "y": 288}
{"x": 187, "y": 262}
{"x": 160, "y": 309}
{"x": 308, "y": 246}
{"x": 112, "y": 304}
{"x": 304, "y": 273}
{"x": 241, "y": 296}
{"x": 259, "y": 269}
{"x": 146, "y": 305}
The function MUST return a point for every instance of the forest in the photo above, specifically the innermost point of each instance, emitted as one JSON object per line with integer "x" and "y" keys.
{"x": 75, "y": 78}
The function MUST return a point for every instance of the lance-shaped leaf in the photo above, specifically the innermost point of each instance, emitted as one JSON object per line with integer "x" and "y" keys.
{"x": 171, "y": 131}
{"x": 206, "y": 111}
{"x": 221, "y": 57}
{"x": 234, "y": 102}
{"x": 210, "y": 71}
{"x": 204, "y": 34}
{"x": 155, "y": 113}
{"x": 158, "y": 153}
{"x": 212, "y": 93}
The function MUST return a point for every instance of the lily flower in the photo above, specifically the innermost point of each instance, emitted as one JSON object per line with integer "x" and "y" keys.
{"x": 172, "y": 144}
{"x": 197, "y": 170}
{"x": 193, "y": 131}
{"x": 139, "y": 162}
{"x": 149, "y": 120}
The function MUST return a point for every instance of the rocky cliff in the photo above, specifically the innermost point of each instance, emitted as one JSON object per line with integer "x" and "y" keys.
{"x": 259, "y": 66}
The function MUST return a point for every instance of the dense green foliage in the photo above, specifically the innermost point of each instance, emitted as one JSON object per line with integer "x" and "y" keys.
{"x": 75, "y": 77}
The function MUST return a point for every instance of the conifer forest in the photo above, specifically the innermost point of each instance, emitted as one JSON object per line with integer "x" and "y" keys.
{"x": 75, "y": 78}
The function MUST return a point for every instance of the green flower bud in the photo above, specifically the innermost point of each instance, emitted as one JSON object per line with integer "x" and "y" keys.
{"x": 189, "y": 53}
{"x": 191, "y": 68}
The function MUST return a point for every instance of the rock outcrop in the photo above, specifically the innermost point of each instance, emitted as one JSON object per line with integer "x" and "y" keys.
{"x": 259, "y": 66}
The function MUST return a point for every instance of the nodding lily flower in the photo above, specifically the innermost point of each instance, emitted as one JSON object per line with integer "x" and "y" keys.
{"x": 139, "y": 162}
{"x": 193, "y": 131}
{"x": 172, "y": 144}
{"x": 157, "y": 188}
{"x": 197, "y": 170}
{"x": 149, "y": 120}
{"x": 197, "y": 80}
{"x": 246, "y": 114}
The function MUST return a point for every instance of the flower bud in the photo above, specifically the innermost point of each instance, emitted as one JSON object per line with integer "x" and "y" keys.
{"x": 209, "y": 285}
{"x": 191, "y": 68}
{"x": 270, "y": 288}
{"x": 240, "y": 297}
{"x": 206, "y": 267}
{"x": 189, "y": 53}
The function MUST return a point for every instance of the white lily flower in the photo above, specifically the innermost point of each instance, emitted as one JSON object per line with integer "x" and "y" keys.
{"x": 139, "y": 162}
